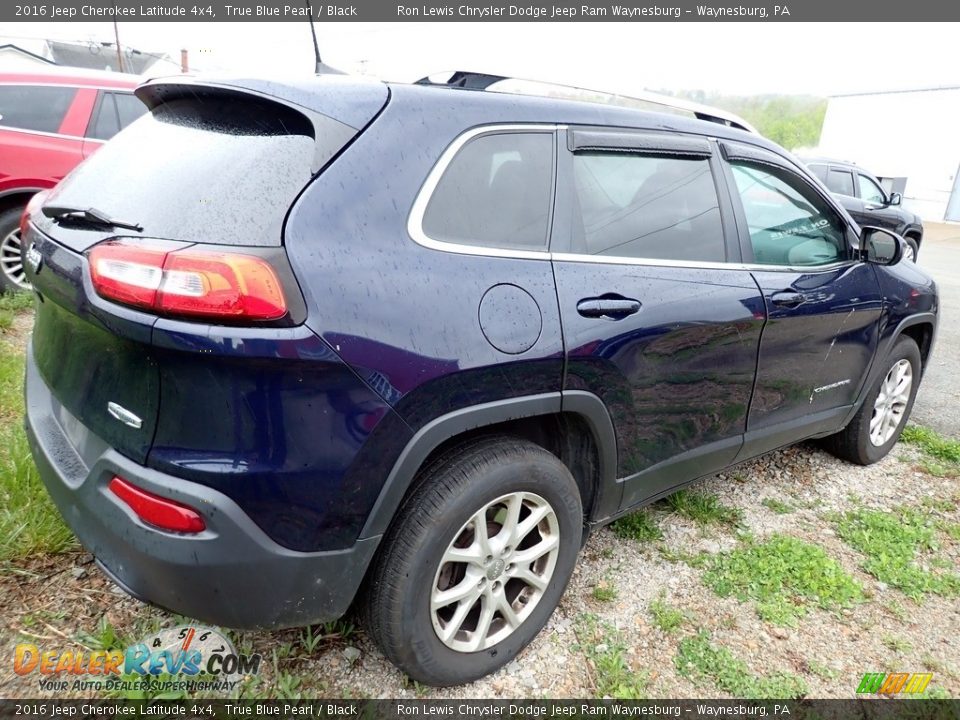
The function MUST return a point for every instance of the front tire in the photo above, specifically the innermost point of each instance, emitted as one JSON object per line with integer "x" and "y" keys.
{"x": 877, "y": 425}
{"x": 913, "y": 249}
{"x": 12, "y": 274}
{"x": 475, "y": 562}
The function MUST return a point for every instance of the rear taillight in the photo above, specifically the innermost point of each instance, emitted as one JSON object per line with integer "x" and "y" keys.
{"x": 35, "y": 202}
{"x": 201, "y": 283}
{"x": 155, "y": 510}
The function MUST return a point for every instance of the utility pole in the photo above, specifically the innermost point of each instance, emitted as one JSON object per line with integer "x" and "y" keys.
{"x": 184, "y": 61}
{"x": 116, "y": 35}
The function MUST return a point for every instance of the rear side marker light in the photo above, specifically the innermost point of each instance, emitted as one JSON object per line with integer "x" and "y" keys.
{"x": 200, "y": 283}
{"x": 157, "y": 511}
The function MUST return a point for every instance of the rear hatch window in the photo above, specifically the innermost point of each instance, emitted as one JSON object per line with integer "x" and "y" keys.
{"x": 208, "y": 165}
{"x": 212, "y": 169}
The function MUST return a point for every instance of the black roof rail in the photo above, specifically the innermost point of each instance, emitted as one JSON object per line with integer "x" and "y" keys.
{"x": 485, "y": 81}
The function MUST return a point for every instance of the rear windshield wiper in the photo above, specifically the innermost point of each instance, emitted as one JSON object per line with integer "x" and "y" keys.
{"x": 90, "y": 216}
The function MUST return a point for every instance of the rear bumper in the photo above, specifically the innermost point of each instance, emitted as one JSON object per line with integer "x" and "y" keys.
{"x": 231, "y": 574}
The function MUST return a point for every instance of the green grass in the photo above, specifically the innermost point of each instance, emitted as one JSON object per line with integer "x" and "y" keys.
{"x": 703, "y": 508}
{"x": 11, "y": 304}
{"x": 29, "y": 522}
{"x": 639, "y": 526}
{"x": 701, "y": 661}
{"x": 610, "y": 673}
{"x": 604, "y": 592}
{"x": 939, "y": 503}
{"x": 892, "y": 544}
{"x": 897, "y": 644}
{"x": 784, "y": 576}
{"x": 777, "y": 506}
{"x": 665, "y": 616}
{"x": 944, "y": 450}
{"x": 105, "y": 637}
{"x": 821, "y": 670}
{"x": 937, "y": 469}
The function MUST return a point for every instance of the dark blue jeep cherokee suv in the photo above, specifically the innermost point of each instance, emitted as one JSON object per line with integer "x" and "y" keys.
{"x": 304, "y": 343}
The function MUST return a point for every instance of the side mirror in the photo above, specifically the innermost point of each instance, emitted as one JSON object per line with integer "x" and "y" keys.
{"x": 880, "y": 246}
{"x": 895, "y": 199}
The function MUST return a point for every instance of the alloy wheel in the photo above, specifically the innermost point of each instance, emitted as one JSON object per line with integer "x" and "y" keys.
{"x": 891, "y": 402}
{"x": 495, "y": 571}
{"x": 11, "y": 261}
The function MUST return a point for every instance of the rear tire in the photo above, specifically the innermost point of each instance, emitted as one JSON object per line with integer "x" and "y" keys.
{"x": 454, "y": 593}
{"x": 877, "y": 425}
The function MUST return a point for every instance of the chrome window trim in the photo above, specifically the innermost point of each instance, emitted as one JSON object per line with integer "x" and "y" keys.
{"x": 103, "y": 88}
{"x": 10, "y": 128}
{"x": 415, "y": 222}
{"x": 419, "y": 209}
{"x": 123, "y": 89}
{"x": 694, "y": 264}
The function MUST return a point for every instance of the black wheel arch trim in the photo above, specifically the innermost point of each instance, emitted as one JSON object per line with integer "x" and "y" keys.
{"x": 586, "y": 405}
{"x": 877, "y": 366}
{"x": 21, "y": 191}
{"x": 914, "y": 231}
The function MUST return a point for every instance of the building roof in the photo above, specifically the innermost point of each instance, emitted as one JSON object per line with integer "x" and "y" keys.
{"x": 17, "y": 48}
{"x": 100, "y": 56}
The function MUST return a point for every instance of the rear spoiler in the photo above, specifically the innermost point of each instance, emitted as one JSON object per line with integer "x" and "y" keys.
{"x": 349, "y": 100}
{"x": 336, "y": 106}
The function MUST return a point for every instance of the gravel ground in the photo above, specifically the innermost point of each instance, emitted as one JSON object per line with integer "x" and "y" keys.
{"x": 54, "y": 600}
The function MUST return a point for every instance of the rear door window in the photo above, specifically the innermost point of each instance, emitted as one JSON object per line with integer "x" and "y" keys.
{"x": 820, "y": 171}
{"x": 129, "y": 108}
{"x": 639, "y": 206}
{"x": 40, "y": 108}
{"x": 496, "y": 193}
{"x": 105, "y": 123}
{"x": 114, "y": 112}
{"x": 840, "y": 181}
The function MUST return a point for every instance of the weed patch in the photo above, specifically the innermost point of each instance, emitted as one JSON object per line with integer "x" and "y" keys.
{"x": 11, "y": 304}
{"x": 639, "y": 526}
{"x": 892, "y": 544}
{"x": 784, "y": 576}
{"x": 932, "y": 444}
{"x": 777, "y": 506}
{"x": 701, "y": 661}
{"x": 610, "y": 672}
{"x": 665, "y": 616}
{"x": 703, "y": 509}
{"x": 604, "y": 592}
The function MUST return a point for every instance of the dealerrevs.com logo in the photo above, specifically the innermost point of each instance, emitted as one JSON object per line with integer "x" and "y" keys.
{"x": 189, "y": 658}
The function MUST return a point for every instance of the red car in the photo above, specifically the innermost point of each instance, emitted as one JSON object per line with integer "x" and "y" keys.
{"x": 49, "y": 122}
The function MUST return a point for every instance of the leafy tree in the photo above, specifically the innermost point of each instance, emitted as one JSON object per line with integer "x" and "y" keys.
{"x": 794, "y": 121}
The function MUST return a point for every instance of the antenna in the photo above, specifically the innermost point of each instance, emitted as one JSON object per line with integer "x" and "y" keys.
{"x": 318, "y": 65}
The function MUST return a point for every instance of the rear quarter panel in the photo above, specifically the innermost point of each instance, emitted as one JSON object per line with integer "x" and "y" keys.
{"x": 29, "y": 160}
{"x": 403, "y": 316}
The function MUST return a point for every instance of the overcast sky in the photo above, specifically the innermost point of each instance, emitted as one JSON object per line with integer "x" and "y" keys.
{"x": 736, "y": 58}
